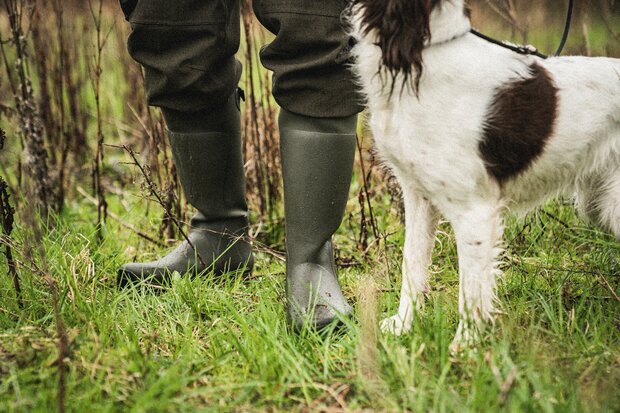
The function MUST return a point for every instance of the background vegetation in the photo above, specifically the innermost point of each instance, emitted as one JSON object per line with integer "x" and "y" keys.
{"x": 88, "y": 184}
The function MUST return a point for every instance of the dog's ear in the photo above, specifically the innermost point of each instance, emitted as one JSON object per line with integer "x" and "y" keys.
{"x": 401, "y": 28}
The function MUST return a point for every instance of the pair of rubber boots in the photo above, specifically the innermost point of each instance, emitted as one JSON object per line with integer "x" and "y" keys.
{"x": 317, "y": 160}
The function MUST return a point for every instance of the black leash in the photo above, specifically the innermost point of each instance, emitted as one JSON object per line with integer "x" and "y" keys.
{"x": 528, "y": 49}
{"x": 569, "y": 17}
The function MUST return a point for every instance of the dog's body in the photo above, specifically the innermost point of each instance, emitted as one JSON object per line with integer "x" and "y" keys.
{"x": 485, "y": 129}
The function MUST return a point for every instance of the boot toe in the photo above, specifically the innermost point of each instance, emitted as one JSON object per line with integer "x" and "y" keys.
{"x": 134, "y": 273}
{"x": 315, "y": 297}
{"x": 319, "y": 317}
{"x": 322, "y": 319}
{"x": 128, "y": 274}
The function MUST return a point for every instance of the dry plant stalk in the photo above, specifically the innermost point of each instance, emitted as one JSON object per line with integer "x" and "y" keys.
{"x": 35, "y": 251}
{"x": 101, "y": 39}
{"x": 7, "y": 217}
{"x": 36, "y": 156}
{"x": 368, "y": 346}
{"x": 154, "y": 191}
{"x": 62, "y": 345}
{"x": 364, "y": 200}
{"x": 57, "y": 139}
{"x": 161, "y": 163}
{"x": 62, "y": 103}
{"x": 368, "y": 356}
{"x": 586, "y": 38}
{"x": 506, "y": 10}
{"x": 261, "y": 146}
{"x": 7, "y": 214}
{"x": 67, "y": 84}
{"x": 153, "y": 139}
{"x": 37, "y": 183}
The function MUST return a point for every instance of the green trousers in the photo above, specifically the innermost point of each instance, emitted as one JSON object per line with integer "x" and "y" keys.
{"x": 187, "y": 49}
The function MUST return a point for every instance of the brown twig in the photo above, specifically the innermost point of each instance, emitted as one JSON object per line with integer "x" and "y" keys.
{"x": 7, "y": 216}
{"x": 510, "y": 15}
{"x": 556, "y": 219}
{"x": 36, "y": 164}
{"x": 608, "y": 286}
{"x": 366, "y": 195}
{"x": 366, "y": 185}
{"x": 155, "y": 193}
{"x": 504, "y": 384}
{"x": 102, "y": 204}
{"x": 118, "y": 219}
{"x": 362, "y": 242}
{"x": 259, "y": 127}
{"x": 154, "y": 130}
{"x": 252, "y": 125}
{"x": 6, "y": 222}
{"x": 611, "y": 32}
{"x": 35, "y": 248}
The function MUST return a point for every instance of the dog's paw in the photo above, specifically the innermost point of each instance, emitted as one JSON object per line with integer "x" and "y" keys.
{"x": 395, "y": 325}
{"x": 464, "y": 340}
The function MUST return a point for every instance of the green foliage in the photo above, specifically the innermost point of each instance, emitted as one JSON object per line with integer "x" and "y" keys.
{"x": 223, "y": 343}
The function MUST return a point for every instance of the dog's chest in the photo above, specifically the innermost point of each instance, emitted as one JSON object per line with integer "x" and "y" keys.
{"x": 402, "y": 143}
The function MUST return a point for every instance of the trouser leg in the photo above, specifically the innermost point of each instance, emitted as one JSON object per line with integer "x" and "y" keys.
{"x": 308, "y": 78}
{"x": 187, "y": 50}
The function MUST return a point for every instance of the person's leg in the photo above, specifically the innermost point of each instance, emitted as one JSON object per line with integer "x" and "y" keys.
{"x": 317, "y": 131}
{"x": 187, "y": 50}
{"x": 308, "y": 77}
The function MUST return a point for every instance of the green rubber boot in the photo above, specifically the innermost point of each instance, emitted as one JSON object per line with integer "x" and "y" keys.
{"x": 317, "y": 163}
{"x": 210, "y": 166}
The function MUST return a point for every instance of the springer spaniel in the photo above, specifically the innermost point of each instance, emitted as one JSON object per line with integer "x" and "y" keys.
{"x": 471, "y": 129}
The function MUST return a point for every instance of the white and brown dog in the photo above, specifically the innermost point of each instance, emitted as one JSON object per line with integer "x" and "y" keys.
{"x": 471, "y": 129}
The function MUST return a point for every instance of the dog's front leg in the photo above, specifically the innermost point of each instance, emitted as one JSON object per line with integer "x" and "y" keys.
{"x": 478, "y": 231}
{"x": 420, "y": 226}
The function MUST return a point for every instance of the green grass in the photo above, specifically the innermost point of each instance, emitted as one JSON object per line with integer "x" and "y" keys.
{"x": 214, "y": 344}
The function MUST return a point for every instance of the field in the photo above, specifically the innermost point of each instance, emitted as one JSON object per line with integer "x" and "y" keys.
{"x": 71, "y": 341}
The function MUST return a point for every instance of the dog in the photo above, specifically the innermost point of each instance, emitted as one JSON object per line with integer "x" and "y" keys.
{"x": 471, "y": 129}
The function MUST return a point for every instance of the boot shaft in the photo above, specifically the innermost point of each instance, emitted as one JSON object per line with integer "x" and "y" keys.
{"x": 317, "y": 164}
{"x": 208, "y": 156}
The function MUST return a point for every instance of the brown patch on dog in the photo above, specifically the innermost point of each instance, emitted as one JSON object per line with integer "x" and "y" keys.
{"x": 518, "y": 124}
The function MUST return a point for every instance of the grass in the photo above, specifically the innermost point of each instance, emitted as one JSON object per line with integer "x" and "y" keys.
{"x": 214, "y": 344}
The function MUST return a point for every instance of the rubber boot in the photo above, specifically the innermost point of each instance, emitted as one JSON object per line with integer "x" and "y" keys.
{"x": 210, "y": 167}
{"x": 317, "y": 163}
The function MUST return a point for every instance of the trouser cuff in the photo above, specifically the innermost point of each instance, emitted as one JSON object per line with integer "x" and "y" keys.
{"x": 222, "y": 118}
